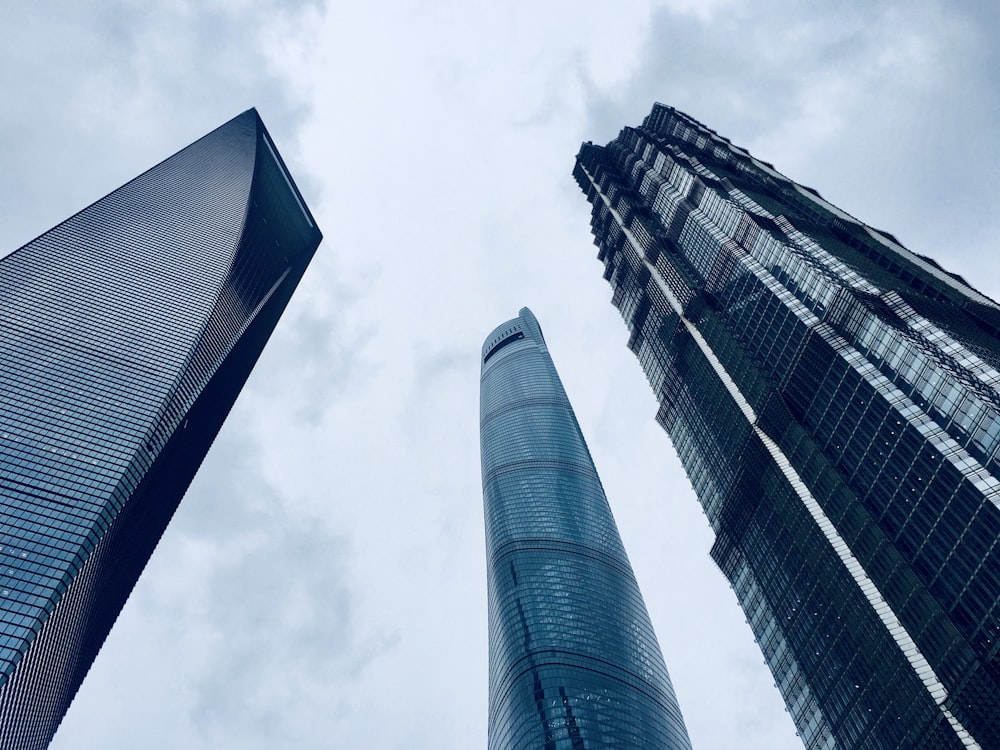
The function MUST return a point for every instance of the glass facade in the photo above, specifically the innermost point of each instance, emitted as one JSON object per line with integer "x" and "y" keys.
{"x": 574, "y": 662}
{"x": 126, "y": 333}
{"x": 835, "y": 399}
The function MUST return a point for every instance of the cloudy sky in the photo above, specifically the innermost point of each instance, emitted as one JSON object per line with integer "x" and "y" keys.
{"x": 323, "y": 584}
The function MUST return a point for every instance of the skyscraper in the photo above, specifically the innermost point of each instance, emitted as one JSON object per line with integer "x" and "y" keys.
{"x": 835, "y": 400}
{"x": 126, "y": 334}
{"x": 574, "y": 662}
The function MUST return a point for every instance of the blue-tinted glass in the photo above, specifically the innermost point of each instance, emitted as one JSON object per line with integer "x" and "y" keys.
{"x": 574, "y": 662}
{"x": 835, "y": 399}
{"x": 126, "y": 333}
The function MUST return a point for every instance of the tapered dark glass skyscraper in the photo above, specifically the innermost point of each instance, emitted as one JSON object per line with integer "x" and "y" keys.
{"x": 835, "y": 399}
{"x": 574, "y": 663}
{"x": 126, "y": 333}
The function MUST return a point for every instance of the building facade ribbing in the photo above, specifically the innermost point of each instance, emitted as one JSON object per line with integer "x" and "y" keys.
{"x": 126, "y": 334}
{"x": 835, "y": 400}
{"x": 574, "y": 663}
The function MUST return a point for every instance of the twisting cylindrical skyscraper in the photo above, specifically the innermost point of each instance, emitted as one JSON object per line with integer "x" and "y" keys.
{"x": 574, "y": 662}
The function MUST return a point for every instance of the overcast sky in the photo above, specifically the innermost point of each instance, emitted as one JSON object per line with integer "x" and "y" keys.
{"x": 323, "y": 584}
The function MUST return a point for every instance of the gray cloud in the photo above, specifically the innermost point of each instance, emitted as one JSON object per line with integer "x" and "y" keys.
{"x": 130, "y": 81}
{"x": 869, "y": 102}
{"x": 326, "y": 571}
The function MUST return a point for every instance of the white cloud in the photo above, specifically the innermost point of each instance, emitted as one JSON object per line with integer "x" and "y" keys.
{"x": 324, "y": 583}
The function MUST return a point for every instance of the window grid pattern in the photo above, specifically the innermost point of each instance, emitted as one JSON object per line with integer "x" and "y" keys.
{"x": 126, "y": 333}
{"x": 871, "y": 369}
{"x": 574, "y": 662}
